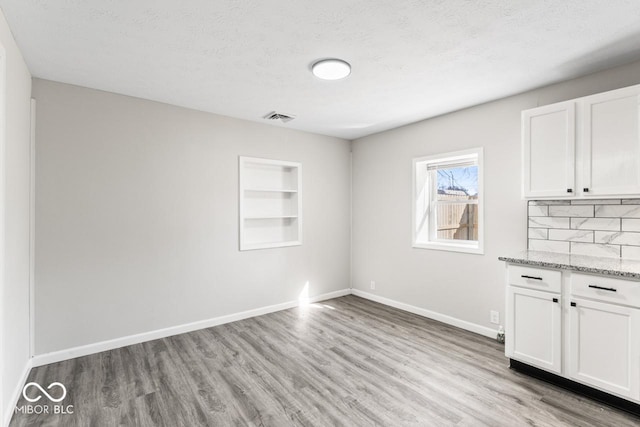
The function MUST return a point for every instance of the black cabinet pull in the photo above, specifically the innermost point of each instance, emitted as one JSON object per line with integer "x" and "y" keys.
{"x": 569, "y": 190}
{"x": 555, "y": 300}
{"x": 603, "y": 289}
{"x": 586, "y": 190}
{"x": 573, "y": 304}
{"x": 531, "y": 277}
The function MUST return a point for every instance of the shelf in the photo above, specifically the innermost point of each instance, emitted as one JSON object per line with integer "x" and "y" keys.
{"x": 270, "y": 214}
{"x": 269, "y": 190}
{"x": 271, "y": 217}
{"x": 268, "y": 245}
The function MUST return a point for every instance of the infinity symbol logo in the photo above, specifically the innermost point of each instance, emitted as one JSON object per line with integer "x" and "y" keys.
{"x": 51, "y": 398}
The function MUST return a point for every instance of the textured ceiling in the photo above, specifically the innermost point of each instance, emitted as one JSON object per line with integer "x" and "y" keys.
{"x": 245, "y": 58}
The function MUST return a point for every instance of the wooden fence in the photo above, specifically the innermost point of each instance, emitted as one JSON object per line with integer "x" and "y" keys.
{"x": 457, "y": 221}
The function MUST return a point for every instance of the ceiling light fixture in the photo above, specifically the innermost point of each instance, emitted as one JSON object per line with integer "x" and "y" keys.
{"x": 331, "y": 69}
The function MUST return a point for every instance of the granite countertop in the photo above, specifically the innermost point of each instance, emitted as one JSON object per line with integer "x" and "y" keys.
{"x": 589, "y": 264}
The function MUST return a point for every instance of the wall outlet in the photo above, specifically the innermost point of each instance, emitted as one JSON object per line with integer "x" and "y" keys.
{"x": 495, "y": 317}
{"x": 373, "y": 285}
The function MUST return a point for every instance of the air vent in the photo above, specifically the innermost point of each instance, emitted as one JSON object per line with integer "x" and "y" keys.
{"x": 279, "y": 116}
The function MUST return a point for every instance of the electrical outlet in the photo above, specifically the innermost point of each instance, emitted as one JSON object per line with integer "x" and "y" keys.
{"x": 373, "y": 285}
{"x": 495, "y": 317}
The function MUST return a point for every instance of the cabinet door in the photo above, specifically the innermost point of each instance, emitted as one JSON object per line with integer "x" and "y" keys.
{"x": 534, "y": 333}
{"x": 611, "y": 143}
{"x": 604, "y": 346}
{"x": 548, "y": 143}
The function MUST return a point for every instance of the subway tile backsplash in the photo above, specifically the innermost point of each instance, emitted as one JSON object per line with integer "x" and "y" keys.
{"x": 617, "y": 211}
{"x": 609, "y": 228}
{"x": 580, "y": 211}
{"x": 604, "y": 224}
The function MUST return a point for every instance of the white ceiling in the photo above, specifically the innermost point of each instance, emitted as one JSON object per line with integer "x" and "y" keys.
{"x": 411, "y": 59}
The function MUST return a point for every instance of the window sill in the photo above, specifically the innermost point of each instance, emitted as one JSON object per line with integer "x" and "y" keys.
{"x": 451, "y": 247}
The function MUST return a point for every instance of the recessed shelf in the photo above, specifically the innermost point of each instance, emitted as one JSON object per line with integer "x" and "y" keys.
{"x": 270, "y": 190}
{"x": 268, "y": 245}
{"x": 272, "y": 217}
{"x": 270, "y": 203}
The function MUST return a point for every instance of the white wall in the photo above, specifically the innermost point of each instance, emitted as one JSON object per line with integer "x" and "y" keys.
{"x": 463, "y": 286}
{"x": 14, "y": 349}
{"x": 137, "y": 217}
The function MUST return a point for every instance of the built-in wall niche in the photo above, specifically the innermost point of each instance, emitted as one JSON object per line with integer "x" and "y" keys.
{"x": 270, "y": 203}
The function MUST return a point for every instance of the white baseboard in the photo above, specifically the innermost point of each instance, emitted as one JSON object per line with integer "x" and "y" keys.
{"x": 71, "y": 353}
{"x": 462, "y": 324}
{"x": 17, "y": 393}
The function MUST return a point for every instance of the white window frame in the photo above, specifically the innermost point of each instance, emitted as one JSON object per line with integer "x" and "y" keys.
{"x": 423, "y": 203}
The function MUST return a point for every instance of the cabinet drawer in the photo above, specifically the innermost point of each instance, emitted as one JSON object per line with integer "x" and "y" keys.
{"x": 607, "y": 289}
{"x": 535, "y": 278}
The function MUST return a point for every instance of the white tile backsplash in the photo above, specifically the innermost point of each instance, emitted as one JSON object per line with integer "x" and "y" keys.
{"x": 630, "y": 224}
{"x": 535, "y": 210}
{"x": 617, "y": 211}
{"x": 605, "y": 228}
{"x": 548, "y": 222}
{"x": 606, "y": 224}
{"x": 631, "y": 252}
{"x": 585, "y": 211}
{"x": 549, "y": 246}
{"x": 572, "y": 235}
{"x": 598, "y": 202}
{"x": 539, "y": 233}
{"x": 618, "y": 237}
{"x": 549, "y": 202}
{"x": 595, "y": 250}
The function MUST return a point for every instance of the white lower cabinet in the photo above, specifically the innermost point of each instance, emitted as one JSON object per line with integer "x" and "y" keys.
{"x": 533, "y": 331}
{"x": 604, "y": 346}
{"x": 588, "y": 332}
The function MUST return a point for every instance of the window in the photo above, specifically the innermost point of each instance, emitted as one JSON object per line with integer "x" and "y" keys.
{"x": 447, "y": 202}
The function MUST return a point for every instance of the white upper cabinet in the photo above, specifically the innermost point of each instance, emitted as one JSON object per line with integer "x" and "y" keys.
{"x": 611, "y": 143}
{"x": 549, "y": 150}
{"x": 584, "y": 147}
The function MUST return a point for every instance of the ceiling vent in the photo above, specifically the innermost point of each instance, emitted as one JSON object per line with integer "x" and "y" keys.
{"x": 279, "y": 116}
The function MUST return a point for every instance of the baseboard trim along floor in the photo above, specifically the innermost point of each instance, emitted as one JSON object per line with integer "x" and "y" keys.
{"x": 17, "y": 393}
{"x": 468, "y": 326}
{"x": 348, "y": 361}
{"x": 58, "y": 356}
{"x": 85, "y": 350}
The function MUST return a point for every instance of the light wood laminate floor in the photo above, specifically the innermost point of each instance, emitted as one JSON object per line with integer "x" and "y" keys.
{"x": 342, "y": 362}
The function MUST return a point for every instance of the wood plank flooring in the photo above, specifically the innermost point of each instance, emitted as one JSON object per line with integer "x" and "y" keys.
{"x": 341, "y": 362}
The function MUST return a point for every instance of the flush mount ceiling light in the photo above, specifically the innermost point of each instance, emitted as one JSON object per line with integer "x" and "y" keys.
{"x": 331, "y": 69}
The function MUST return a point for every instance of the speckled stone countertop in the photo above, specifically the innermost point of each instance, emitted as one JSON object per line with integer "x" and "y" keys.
{"x": 589, "y": 264}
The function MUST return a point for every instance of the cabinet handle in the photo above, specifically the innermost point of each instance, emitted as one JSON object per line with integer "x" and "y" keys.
{"x": 555, "y": 300}
{"x": 586, "y": 190}
{"x": 603, "y": 289}
{"x": 531, "y": 277}
{"x": 573, "y": 304}
{"x": 569, "y": 190}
